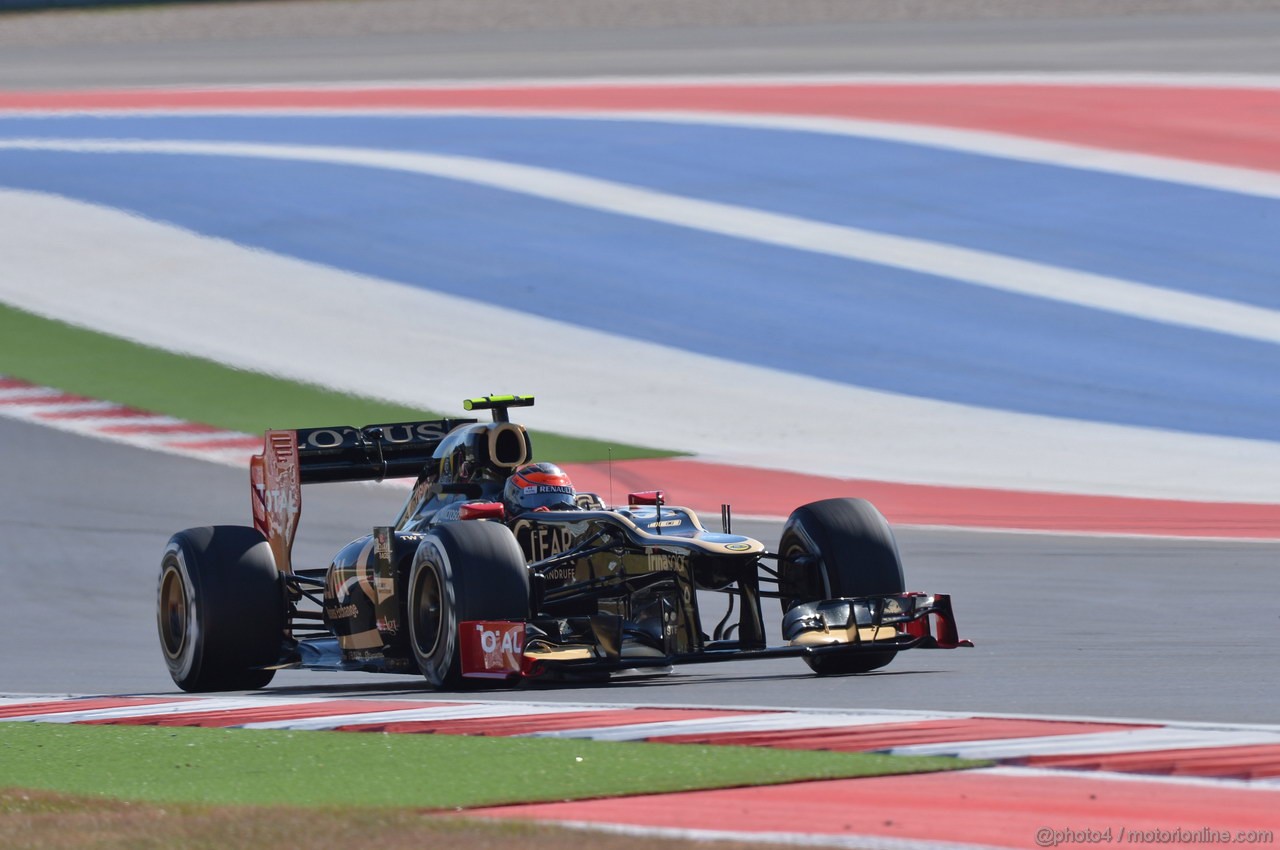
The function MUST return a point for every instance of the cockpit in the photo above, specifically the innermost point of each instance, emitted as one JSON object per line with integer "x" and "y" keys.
{"x": 471, "y": 463}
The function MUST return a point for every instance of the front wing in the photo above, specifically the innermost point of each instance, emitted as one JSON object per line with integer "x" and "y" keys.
{"x": 502, "y": 649}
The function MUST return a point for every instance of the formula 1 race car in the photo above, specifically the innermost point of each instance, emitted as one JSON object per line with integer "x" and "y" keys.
{"x": 471, "y": 585}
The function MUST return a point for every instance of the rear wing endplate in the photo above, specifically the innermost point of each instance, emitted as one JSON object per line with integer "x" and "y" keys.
{"x": 290, "y": 459}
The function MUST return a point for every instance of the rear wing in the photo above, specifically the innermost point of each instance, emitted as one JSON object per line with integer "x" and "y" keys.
{"x": 290, "y": 459}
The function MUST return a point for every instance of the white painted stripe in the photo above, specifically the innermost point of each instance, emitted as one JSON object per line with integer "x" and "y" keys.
{"x": 429, "y": 713}
{"x": 793, "y": 839}
{"x": 142, "y": 420}
{"x": 319, "y": 724}
{"x": 1245, "y": 181}
{"x": 640, "y": 731}
{"x": 40, "y": 407}
{"x": 84, "y": 418}
{"x": 980, "y": 268}
{"x": 1200, "y": 725}
{"x": 210, "y": 444}
{"x": 177, "y": 707}
{"x": 1033, "y": 773}
{"x": 1225, "y": 178}
{"x": 27, "y": 396}
{"x": 236, "y": 457}
{"x": 1136, "y": 740}
{"x": 11, "y": 700}
{"x": 212, "y": 438}
{"x": 780, "y": 721}
{"x": 882, "y": 436}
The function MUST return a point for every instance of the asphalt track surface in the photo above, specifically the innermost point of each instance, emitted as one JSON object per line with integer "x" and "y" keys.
{"x": 403, "y": 39}
{"x": 1107, "y": 627}
{"x": 1064, "y": 625}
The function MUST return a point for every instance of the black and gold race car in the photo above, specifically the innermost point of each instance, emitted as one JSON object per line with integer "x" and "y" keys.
{"x": 468, "y": 587}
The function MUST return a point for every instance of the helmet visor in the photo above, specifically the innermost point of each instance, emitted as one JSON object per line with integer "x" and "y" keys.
{"x": 551, "y": 497}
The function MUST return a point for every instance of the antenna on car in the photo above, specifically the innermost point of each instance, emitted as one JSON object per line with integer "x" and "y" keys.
{"x": 610, "y": 476}
{"x": 498, "y": 404}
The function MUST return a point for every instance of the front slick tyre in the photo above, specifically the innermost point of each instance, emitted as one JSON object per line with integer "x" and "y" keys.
{"x": 850, "y": 543}
{"x": 220, "y": 609}
{"x": 467, "y": 570}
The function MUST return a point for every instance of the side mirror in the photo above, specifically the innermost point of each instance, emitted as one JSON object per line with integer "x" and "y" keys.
{"x": 483, "y": 510}
{"x": 647, "y": 497}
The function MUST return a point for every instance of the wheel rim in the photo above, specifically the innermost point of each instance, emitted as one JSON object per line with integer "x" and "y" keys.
{"x": 174, "y": 613}
{"x": 427, "y": 611}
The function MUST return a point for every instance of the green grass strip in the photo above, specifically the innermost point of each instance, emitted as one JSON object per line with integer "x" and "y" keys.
{"x": 88, "y": 363}
{"x": 269, "y": 767}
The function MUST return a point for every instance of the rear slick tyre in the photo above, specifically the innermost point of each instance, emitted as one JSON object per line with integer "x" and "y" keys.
{"x": 851, "y": 552}
{"x": 220, "y": 609}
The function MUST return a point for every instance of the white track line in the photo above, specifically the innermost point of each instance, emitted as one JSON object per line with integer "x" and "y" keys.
{"x": 80, "y": 411}
{"x": 178, "y": 707}
{"x": 299, "y": 308}
{"x": 1218, "y": 177}
{"x": 1118, "y": 741}
{"x": 965, "y": 265}
{"x": 795, "y": 839}
{"x": 1244, "y": 181}
{"x": 28, "y": 396}
{"x": 490, "y": 711}
{"x": 1033, "y": 773}
{"x": 769, "y": 722}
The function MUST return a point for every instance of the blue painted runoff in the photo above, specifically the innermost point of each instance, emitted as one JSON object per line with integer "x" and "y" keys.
{"x": 1208, "y": 242}
{"x": 845, "y": 321}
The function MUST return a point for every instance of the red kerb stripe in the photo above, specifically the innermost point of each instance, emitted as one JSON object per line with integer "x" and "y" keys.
{"x": 61, "y": 398}
{"x": 705, "y": 486}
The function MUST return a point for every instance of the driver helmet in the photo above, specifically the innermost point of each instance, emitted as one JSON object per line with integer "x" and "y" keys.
{"x": 539, "y": 486}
